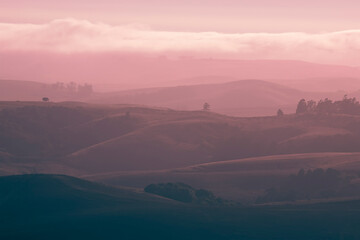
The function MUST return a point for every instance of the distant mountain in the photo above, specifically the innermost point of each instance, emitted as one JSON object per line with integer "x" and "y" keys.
{"x": 109, "y": 72}
{"x": 13, "y": 90}
{"x": 240, "y": 98}
{"x": 17, "y": 90}
{"x": 329, "y": 84}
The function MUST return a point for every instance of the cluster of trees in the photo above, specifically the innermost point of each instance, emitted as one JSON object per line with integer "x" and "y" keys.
{"x": 72, "y": 87}
{"x": 311, "y": 184}
{"x": 183, "y": 193}
{"x": 344, "y": 106}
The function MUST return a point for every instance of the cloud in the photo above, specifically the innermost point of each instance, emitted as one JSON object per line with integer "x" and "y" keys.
{"x": 73, "y": 36}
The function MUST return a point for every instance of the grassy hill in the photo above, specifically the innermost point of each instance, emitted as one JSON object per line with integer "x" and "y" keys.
{"x": 226, "y": 96}
{"x": 205, "y": 137}
{"x": 242, "y": 179}
{"x": 239, "y": 98}
{"x": 32, "y": 193}
{"x": 61, "y": 207}
{"x": 13, "y": 90}
{"x": 93, "y": 138}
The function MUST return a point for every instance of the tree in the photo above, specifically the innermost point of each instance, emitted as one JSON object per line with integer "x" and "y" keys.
{"x": 71, "y": 87}
{"x": 301, "y": 107}
{"x": 45, "y": 99}
{"x": 280, "y": 113}
{"x": 325, "y": 106}
{"x": 311, "y": 106}
{"x": 58, "y": 86}
{"x": 206, "y": 107}
{"x": 85, "y": 90}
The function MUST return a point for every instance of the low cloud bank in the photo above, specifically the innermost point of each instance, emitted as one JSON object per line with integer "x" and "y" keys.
{"x": 73, "y": 36}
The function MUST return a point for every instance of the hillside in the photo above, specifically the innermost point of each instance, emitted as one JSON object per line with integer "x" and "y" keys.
{"x": 205, "y": 137}
{"x": 237, "y": 98}
{"x": 241, "y": 179}
{"x": 329, "y": 84}
{"x": 18, "y": 90}
{"x": 35, "y": 193}
{"x": 13, "y": 90}
{"x": 62, "y": 207}
{"x": 225, "y": 95}
{"x": 138, "y": 71}
{"x": 58, "y": 137}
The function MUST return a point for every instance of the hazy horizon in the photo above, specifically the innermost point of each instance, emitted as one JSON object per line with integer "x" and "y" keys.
{"x": 127, "y": 45}
{"x": 207, "y": 119}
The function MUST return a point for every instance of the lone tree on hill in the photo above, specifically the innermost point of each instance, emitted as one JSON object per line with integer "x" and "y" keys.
{"x": 45, "y": 99}
{"x": 280, "y": 113}
{"x": 206, "y": 107}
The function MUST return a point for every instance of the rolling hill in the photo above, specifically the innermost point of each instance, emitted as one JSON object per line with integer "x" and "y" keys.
{"x": 14, "y": 90}
{"x": 329, "y": 84}
{"x": 120, "y": 72}
{"x": 225, "y": 95}
{"x": 237, "y": 98}
{"x": 62, "y": 207}
{"x": 206, "y": 137}
{"x": 86, "y": 138}
{"x": 34, "y": 193}
{"x": 241, "y": 179}
{"x": 18, "y": 90}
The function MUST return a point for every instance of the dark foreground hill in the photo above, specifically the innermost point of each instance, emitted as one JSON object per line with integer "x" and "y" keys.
{"x": 61, "y": 207}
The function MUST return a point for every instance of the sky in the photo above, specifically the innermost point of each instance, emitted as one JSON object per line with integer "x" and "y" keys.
{"x": 322, "y": 31}
{"x": 235, "y": 16}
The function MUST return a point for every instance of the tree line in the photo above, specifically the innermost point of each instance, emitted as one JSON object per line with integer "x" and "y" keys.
{"x": 72, "y": 87}
{"x": 345, "y": 106}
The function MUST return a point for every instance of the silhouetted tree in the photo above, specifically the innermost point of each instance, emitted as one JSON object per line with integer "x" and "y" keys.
{"x": 183, "y": 193}
{"x": 301, "y": 173}
{"x": 301, "y": 107}
{"x": 85, "y": 90}
{"x": 71, "y": 87}
{"x": 325, "y": 106}
{"x": 311, "y": 106}
{"x": 347, "y": 106}
{"x": 59, "y": 86}
{"x": 45, "y": 99}
{"x": 317, "y": 183}
{"x": 206, "y": 107}
{"x": 280, "y": 113}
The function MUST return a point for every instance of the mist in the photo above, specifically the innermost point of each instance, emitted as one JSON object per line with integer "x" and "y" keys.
{"x": 179, "y": 120}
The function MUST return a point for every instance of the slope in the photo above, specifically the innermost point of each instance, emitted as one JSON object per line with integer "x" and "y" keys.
{"x": 61, "y": 207}
{"x": 240, "y": 98}
{"x": 241, "y": 179}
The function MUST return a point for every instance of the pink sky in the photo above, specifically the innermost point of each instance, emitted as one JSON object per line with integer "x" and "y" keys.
{"x": 201, "y": 15}
{"x": 315, "y": 31}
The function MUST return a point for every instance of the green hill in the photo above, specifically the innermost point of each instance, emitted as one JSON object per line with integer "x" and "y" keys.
{"x": 61, "y": 207}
